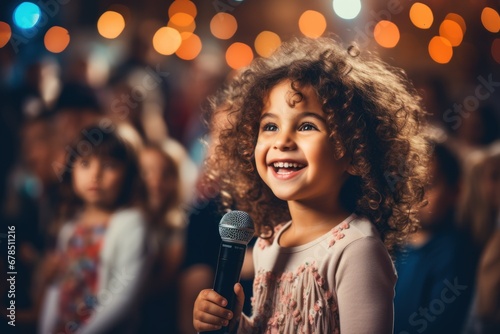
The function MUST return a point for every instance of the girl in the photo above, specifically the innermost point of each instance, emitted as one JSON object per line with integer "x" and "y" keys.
{"x": 330, "y": 143}
{"x": 101, "y": 247}
{"x": 166, "y": 215}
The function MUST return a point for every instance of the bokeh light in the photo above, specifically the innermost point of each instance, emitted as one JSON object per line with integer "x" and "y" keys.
{"x": 223, "y": 25}
{"x": 452, "y": 31}
{"x": 5, "y": 33}
{"x": 312, "y": 24}
{"x": 56, "y": 39}
{"x": 459, "y": 19}
{"x": 182, "y": 6}
{"x": 26, "y": 15}
{"x": 490, "y": 19}
{"x": 190, "y": 48}
{"x": 182, "y": 19}
{"x": 421, "y": 15}
{"x": 239, "y": 55}
{"x": 266, "y": 42}
{"x": 185, "y": 31}
{"x": 386, "y": 34}
{"x": 166, "y": 41}
{"x": 440, "y": 50}
{"x": 111, "y": 24}
{"x": 347, "y": 9}
{"x": 495, "y": 50}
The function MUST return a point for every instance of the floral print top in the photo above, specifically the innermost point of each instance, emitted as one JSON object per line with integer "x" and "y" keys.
{"x": 296, "y": 289}
{"x": 78, "y": 281}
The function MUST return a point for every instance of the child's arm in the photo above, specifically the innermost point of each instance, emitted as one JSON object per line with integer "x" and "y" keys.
{"x": 365, "y": 288}
{"x": 209, "y": 313}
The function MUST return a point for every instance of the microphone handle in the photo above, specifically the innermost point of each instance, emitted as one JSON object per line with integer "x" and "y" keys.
{"x": 231, "y": 257}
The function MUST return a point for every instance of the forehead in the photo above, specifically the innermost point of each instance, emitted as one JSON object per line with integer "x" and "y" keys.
{"x": 295, "y": 97}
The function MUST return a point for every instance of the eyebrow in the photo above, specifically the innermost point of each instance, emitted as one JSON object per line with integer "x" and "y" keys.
{"x": 301, "y": 115}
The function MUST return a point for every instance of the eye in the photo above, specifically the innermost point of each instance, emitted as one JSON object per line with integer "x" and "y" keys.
{"x": 84, "y": 163}
{"x": 307, "y": 127}
{"x": 269, "y": 127}
{"x": 109, "y": 164}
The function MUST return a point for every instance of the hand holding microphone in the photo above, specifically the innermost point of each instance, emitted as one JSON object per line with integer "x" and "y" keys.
{"x": 211, "y": 309}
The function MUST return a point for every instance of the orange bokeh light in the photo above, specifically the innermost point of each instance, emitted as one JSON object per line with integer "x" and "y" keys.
{"x": 185, "y": 31}
{"x": 266, "y": 42}
{"x": 5, "y": 33}
{"x": 190, "y": 48}
{"x": 421, "y": 15}
{"x": 312, "y": 24}
{"x": 166, "y": 41}
{"x": 223, "y": 25}
{"x": 440, "y": 50}
{"x": 458, "y": 19}
{"x": 56, "y": 39}
{"x": 495, "y": 50}
{"x": 452, "y": 31}
{"x": 239, "y": 55}
{"x": 386, "y": 34}
{"x": 182, "y": 6}
{"x": 111, "y": 24}
{"x": 490, "y": 19}
{"x": 182, "y": 19}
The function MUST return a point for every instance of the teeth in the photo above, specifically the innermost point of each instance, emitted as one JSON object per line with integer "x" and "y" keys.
{"x": 287, "y": 165}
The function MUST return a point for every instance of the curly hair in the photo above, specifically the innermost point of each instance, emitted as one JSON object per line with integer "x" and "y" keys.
{"x": 373, "y": 114}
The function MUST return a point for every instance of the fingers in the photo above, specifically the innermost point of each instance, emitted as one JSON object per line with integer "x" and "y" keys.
{"x": 209, "y": 312}
{"x": 240, "y": 295}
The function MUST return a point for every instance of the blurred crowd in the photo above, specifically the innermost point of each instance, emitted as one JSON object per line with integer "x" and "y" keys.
{"x": 449, "y": 271}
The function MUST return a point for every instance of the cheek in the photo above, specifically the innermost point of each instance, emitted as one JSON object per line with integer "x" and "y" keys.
{"x": 113, "y": 180}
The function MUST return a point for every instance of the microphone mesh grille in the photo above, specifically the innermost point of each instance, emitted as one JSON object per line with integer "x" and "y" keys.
{"x": 236, "y": 226}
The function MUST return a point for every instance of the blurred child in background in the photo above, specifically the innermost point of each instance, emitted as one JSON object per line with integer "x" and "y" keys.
{"x": 435, "y": 268}
{"x": 95, "y": 273}
{"x": 167, "y": 217}
{"x": 481, "y": 210}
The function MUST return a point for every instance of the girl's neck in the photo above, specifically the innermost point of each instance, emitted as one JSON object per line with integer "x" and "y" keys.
{"x": 94, "y": 214}
{"x": 310, "y": 221}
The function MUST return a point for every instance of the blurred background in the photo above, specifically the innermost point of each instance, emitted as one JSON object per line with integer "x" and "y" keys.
{"x": 148, "y": 66}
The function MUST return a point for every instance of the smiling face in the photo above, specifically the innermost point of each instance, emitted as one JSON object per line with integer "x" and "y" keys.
{"x": 293, "y": 154}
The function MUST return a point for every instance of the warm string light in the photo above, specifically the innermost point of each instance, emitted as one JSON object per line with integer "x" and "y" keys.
{"x": 490, "y": 19}
{"x": 421, "y": 15}
{"x": 266, "y": 42}
{"x": 190, "y": 48}
{"x": 386, "y": 34}
{"x": 312, "y": 24}
{"x": 166, "y": 41}
{"x": 56, "y": 39}
{"x": 5, "y": 33}
{"x": 495, "y": 50}
{"x": 239, "y": 55}
{"x": 223, "y": 25}
{"x": 440, "y": 50}
{"x": 111, "y": 24}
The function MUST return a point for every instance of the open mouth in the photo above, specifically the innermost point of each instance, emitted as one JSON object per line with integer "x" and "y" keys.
{"x": 285, "y": 168}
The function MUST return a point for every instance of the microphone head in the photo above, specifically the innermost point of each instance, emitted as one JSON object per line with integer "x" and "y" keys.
{"x": 237, "y": 227}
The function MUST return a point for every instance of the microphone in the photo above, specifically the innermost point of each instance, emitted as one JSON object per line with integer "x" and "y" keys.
{"x": 236, "y": 230}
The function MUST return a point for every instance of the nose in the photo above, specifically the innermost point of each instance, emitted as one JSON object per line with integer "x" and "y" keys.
{"x": 284, "y": 141}
{"x": 96, "y": 171}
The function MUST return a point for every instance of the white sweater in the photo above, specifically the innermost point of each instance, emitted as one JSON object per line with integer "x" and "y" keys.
{"x": 121, "y": 270}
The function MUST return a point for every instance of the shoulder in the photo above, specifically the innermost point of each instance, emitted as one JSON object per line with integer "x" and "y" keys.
{"x": 127, "y": 217}
{"x": 361, "y": 244}
{"x": 128, "y": 222}
{"x": 263, "y": 243}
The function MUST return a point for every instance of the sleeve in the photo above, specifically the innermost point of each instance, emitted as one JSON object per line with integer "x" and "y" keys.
{"x": 365, "y": 288}
{"x": 122, "y": 277}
